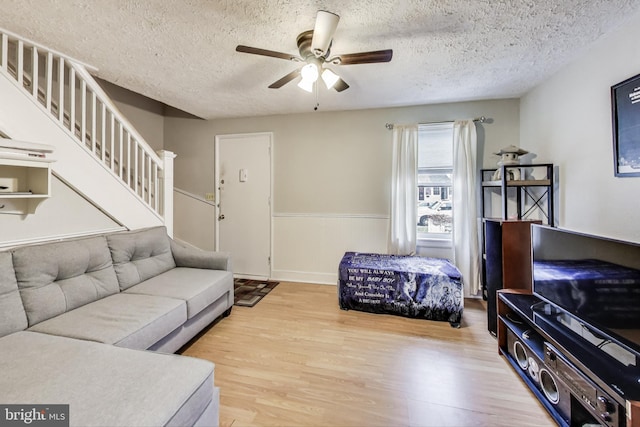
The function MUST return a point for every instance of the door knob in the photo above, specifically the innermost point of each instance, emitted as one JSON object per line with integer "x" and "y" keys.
{"x": 220, "y": 217}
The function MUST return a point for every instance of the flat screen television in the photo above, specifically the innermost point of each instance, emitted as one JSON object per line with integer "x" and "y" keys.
{"x": 593, "y": 284}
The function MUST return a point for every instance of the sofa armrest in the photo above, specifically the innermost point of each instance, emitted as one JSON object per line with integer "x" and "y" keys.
{"x": 196, "y": 258}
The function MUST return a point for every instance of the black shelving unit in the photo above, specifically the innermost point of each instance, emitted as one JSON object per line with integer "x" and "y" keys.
{"x": 527, "y": 200}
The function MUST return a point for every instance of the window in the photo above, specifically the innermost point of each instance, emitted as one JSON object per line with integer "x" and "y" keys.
{"x": 435, "y": 175}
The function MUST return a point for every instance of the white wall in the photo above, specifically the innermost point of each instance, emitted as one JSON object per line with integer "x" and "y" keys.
{"x": 65, "y": 214}
{"x": 195, "y": 225}
{"x": 145, "y": 114}
{"x": 331, "y": 175}
{"x": 567, "y": 121}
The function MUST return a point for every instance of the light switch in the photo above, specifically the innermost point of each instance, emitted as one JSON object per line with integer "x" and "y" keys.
{"x": 243, "y": 175}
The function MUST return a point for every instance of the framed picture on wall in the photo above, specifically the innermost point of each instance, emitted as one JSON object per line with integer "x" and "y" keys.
{"x": 625, "y": 108}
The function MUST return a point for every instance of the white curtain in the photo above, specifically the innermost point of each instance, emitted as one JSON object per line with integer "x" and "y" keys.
{"x": 402, "y": 233}
{"x": 466, "y": 251}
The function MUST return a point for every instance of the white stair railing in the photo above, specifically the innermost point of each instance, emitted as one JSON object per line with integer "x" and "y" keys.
{"x": 65, "y": 89}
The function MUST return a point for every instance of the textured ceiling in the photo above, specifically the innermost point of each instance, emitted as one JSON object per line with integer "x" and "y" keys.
{"x": 182, "y": 53}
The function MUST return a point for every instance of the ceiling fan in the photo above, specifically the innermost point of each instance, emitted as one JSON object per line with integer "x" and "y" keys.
{"x": 315, "y": 48}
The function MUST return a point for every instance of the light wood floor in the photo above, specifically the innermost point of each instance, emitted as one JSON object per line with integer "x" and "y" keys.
{"x": 296, "y": 359}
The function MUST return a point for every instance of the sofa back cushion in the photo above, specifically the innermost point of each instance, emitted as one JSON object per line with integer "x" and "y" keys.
{"x": 140, "y": 255}
{"x": 12, "y": 315}
{"x": 54, "y": 278}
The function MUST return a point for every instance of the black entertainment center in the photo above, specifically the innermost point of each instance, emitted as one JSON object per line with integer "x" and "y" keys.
{"x": 575, "y": 339}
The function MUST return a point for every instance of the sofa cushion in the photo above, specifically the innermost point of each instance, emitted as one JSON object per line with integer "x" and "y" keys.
{"x": 102, "y": 384}
{"x": 12, "y": 315}
{"x": 126, "y": 320}
{"x": 54, "y": 278}
{"x": 140, "y": 255}
{"x": 198, "y": 287}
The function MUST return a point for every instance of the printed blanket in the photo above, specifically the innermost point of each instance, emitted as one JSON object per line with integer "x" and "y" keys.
{"x": 410, "y": 286}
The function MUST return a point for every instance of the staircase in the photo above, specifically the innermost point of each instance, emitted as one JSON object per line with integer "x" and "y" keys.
{"x": 49, "y": 98}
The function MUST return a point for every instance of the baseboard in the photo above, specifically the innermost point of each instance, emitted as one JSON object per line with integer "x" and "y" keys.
{"x": 250, "y": 277}
{"x": 305, "y": 277}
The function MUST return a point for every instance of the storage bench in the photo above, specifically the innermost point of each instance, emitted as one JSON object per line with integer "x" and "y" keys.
{"x": 410, "y": 286}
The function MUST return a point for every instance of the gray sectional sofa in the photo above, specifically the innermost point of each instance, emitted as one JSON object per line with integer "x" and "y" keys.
{"x": 78, "y": 317}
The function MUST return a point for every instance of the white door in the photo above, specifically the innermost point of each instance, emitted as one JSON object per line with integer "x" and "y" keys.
{"x": 243, "y": 183}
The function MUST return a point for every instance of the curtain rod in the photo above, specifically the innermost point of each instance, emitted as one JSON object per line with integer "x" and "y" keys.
{"x": 480, "y": 119}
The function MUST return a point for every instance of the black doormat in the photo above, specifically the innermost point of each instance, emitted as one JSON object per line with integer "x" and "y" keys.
{"x": 248, "y": 292}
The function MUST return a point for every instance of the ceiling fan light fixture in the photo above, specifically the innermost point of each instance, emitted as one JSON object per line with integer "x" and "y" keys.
{"x": 326, "y": 24}
{"x": 309, "y": 72}
{"x": 330, "y": 78}
{"x": 314, "y": 47}
{"x": 306, "y": 84}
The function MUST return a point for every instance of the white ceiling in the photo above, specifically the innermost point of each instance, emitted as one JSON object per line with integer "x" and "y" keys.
{"x": 182, "y": 53}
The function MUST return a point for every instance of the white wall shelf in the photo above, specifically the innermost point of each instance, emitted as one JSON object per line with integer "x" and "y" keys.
{"x": 27, "y": 182}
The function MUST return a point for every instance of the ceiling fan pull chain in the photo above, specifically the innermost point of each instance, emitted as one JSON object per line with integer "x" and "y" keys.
{"x": 315, "y": 85}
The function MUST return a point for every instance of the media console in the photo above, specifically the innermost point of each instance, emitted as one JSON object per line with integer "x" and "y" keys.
{"x": 578, "y": 385}
{"x": 574, "y": 338}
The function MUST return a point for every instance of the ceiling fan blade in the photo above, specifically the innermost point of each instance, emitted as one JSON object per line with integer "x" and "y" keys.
{"x": 366, "y": 57}
{"x": 286, "y": 79}
{"x": 340, "y": 86}
{"x": 265, "y": 52}
{"x": 326, "y": 23}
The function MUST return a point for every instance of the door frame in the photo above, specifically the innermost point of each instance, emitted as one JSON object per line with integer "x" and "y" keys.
{"x": 217, "y": 142}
